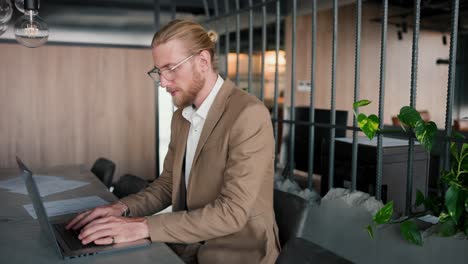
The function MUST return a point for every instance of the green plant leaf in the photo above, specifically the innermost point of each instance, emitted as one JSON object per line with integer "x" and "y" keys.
{"x": 448, "y": 228}
{"x": 433, "y": 204}
{"x": 361, "y": 103}
{"x": 369, "y": 125}
{"x": 466, "y": 206}
{"x": 454, "y": 150}
{"x": 370, "y": 231}
{"x": 419, "y": 198}
{"x": 458, "y": 135}
{"x": 384, "y": 214}
{"x": 444, "y": 217}
{"x": 409, "y": 116}
{"x": 425, "y": 133}
{"x": 454, "y": 203}
{"x": 411, "y": 233}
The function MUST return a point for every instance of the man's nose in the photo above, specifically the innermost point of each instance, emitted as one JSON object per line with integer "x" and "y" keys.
{"x": 163, "y": 82}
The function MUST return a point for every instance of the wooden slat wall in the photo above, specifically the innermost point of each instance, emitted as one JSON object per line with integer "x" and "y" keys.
{"x": 68, "y": 105}
{"x": 432, "y": 78}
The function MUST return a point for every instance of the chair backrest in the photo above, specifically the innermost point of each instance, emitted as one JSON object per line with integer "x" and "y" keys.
{"x": 290, "y": 213}
{"x": 104, "y": 169}
{"x": 129, "y": 184}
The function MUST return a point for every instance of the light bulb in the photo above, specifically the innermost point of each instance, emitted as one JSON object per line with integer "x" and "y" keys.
{"x": 30, "y": 30}
{"x": 3, "y": 28}
{"x": 6, "y": 10}
{"x": 20, "y": 5}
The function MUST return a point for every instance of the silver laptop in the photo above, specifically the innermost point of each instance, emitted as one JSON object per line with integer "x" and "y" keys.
{"x": 65, "y": 241}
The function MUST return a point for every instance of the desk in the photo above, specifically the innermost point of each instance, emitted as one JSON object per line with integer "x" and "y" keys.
{"x": 21, "y": 239}
{"x": 394, "y": 170}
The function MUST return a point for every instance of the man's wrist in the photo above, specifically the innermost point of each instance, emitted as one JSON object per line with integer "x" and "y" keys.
{"x": 123, "y": 208}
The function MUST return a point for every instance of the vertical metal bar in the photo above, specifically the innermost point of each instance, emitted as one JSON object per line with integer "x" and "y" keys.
{"x": 292, "y": 127}
{"x": 312, "y": 96}
{"x": 262, "y": 81}
{"x": 216, "y": 10}
{"x": 383, "y": 50}
{"x": 157, "y": 26}
{"x": 276, "y": 92}
{"x": 357, "y": 71}
{"x": 237, "y": 42}
{"x": 414, "y": 75}
{"x": 451, "y": 81}
{"x": 207, "y": 9}
{"x": 173, "y": 10}
{"x": 331, "y": 158}
{"x": 249, "y": 71}
{"x": 226, "y": 46}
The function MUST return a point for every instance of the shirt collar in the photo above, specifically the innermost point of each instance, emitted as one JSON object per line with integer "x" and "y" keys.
{"x": 202, "y": 112}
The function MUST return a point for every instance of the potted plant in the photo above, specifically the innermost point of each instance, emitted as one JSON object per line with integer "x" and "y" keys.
{"x": 450, "y": 206}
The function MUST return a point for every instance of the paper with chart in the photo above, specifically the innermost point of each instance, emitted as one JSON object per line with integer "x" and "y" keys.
{"x": 68, "y": 206}
{"x": 47, "y": 184}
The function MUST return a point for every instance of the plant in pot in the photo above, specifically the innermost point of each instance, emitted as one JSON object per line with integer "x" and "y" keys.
{"x": 450, "y": 206}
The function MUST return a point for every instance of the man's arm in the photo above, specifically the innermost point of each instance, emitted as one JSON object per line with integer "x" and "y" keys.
{"x": 250, "y": 158}
{"x": 158, "y": 195}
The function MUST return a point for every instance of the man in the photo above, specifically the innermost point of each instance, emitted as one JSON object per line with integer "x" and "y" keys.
{"x": 218, "y": 172}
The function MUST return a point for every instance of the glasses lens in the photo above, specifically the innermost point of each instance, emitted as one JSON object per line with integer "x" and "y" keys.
{"x": 154, "y": 76}
{"x": 168, "y": 75}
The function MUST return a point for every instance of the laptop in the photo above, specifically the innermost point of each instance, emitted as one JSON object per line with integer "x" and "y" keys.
{"x": 65, "y": 241}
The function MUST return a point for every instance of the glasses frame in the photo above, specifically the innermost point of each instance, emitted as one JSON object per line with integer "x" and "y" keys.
{"x": 159, "y": 73}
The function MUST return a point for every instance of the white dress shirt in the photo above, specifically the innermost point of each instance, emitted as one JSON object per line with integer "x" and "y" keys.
{"x": 197, "y": 118}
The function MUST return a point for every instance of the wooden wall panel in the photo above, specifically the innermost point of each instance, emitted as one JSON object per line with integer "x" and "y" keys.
{"x": 69, "y": 105}
{"x": 432, "y": 79}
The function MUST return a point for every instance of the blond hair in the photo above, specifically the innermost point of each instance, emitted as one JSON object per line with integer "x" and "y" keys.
{"x": 195, "y": 37}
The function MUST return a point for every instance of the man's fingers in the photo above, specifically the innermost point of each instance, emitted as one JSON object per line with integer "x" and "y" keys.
{"x": 75, "y": 220}
{"x": 88, "y": 218}
{"x": 99, "y": 234}
{"x": 98, "y": 221}
{"x": 104, "y": 241}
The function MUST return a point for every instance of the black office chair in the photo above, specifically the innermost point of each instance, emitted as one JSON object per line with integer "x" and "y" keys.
{"x": 129, "y": 184}
{"x": 291, "y": 214}
{"x": 104, "y": 169}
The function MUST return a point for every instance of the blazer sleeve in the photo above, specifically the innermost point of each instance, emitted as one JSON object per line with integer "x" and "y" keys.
{"x": 158, "y": 195}
{"x": 250, "y": 157}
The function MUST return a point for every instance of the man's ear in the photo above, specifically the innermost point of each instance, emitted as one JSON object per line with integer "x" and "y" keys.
{"x": 205, "y": 60}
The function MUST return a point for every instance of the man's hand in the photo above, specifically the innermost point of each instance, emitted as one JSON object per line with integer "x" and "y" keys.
{"x": 113, "y": 229}
{"x": 86, "y": 217}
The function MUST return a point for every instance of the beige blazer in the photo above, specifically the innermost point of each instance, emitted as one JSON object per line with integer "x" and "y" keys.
{"x": 230, "y": 191}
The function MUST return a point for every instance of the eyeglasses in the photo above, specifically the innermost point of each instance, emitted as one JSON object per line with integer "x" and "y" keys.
{"x": 168, "y": 74}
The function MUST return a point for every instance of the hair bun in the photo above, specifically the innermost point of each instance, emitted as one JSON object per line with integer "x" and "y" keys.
{"x": 213, "y": 36}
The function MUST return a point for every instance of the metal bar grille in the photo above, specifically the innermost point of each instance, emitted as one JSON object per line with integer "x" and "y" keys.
{"x": 451, "y": 81}
{"x": 414, "y": 74}
{"x": 237, "y": 42}
{"x": 292, "y": 126}
{"x": 312, "y": 96}
{"x": 331, "y": 165}
{"x": 383, "y": 50}
{"x": 262, "y": 81}
{"x": 276, "y": 90}
{"x": 357, "y": 68}
{"x": 249, "y": 72}
{"x": 226, "y": 37}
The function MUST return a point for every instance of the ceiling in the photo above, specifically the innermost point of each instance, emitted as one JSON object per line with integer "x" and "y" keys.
{"x": 131, "y": 23}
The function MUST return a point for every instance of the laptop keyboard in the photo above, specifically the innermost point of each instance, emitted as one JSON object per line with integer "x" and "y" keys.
{"x": 71, "y": 237}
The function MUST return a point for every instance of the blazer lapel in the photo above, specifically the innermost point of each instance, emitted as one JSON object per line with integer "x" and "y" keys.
{"x": 214, "y": 114}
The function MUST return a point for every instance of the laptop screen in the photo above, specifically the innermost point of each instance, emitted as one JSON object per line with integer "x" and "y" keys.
{"x": 37, "y": 202}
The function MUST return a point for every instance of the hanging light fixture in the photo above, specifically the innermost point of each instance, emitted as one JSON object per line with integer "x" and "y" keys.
{"x": 30, "y": 29}
{"x": 20, "y": 5}
{"x": 6, "y": 11}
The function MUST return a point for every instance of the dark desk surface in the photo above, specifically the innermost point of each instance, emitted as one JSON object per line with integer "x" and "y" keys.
{"x": 21, "y": 239}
